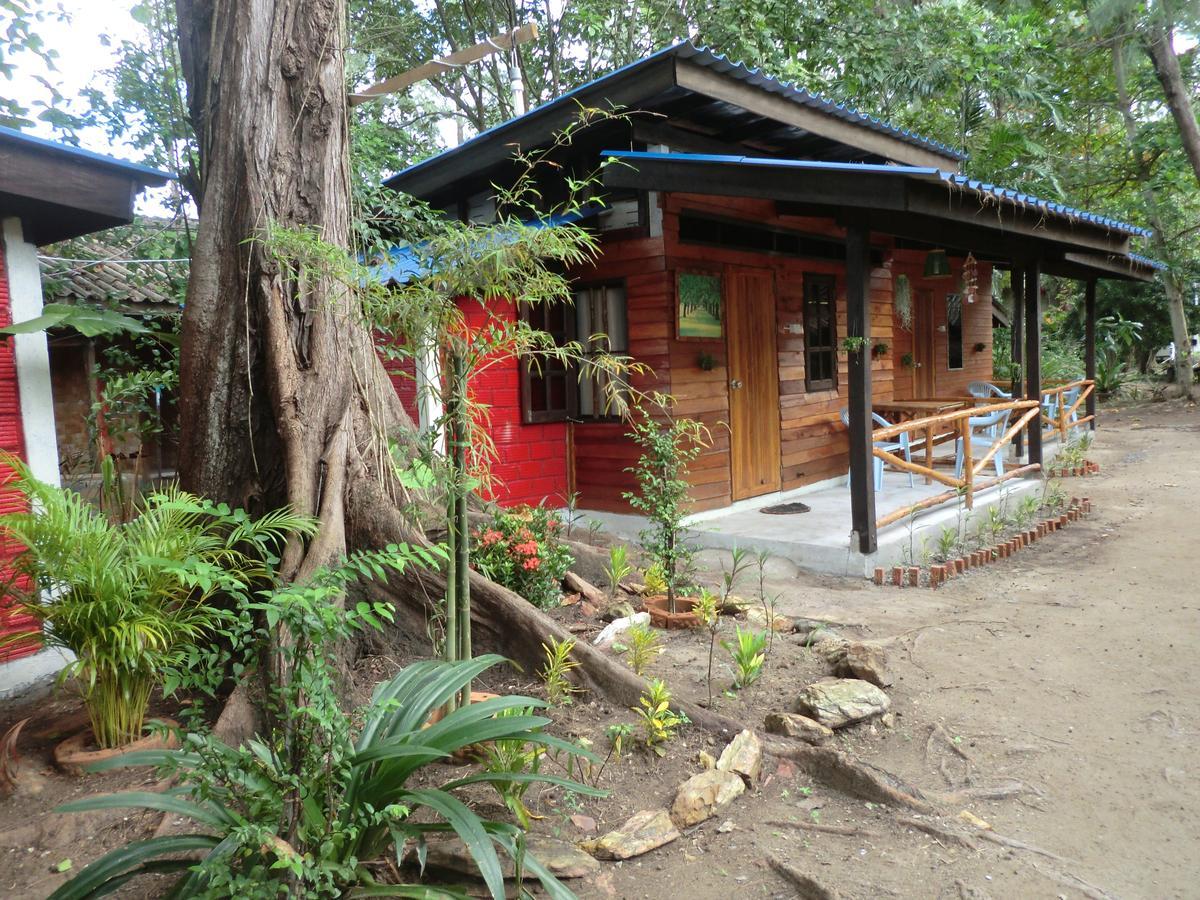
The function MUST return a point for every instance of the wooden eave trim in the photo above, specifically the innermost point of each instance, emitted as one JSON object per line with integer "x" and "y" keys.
{"x": 752, "y": 99}
{"x": 67, "y": 184}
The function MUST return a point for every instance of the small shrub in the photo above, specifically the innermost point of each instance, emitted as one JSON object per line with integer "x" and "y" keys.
{"x": 708, "y": 610}
{"x": 521, "y": 550}
{"x": 659, "y": 722}
{"x": 558, "y": 663}
{"x": 749, "y": 653}
{"x": 656, "y": 584}
{"x": 617, "y": 569}
{"x": 947, "y": 543}
{"x": 618, "y": 733}
{"x": 642, "y": 646}
{"x": 513, "y": 756}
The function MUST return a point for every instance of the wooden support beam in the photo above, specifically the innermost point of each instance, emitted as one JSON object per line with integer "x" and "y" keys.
{"x": 1018, "y": 345}
{"x": 858, "y": 325}
{"x": 456, "y": 60}
{"x": 1033, "y": 356}
{"x": 1089, "y": 346}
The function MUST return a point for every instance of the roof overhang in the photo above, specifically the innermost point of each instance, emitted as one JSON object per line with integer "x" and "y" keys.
{"x": 61, "y": 192}
{"x": 917, "y": 203}
{"x": 726, "y": 101}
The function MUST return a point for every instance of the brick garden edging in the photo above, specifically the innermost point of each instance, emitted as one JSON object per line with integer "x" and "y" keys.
{"x": 934, "y": 576}
{"x": 1088, "y": 468}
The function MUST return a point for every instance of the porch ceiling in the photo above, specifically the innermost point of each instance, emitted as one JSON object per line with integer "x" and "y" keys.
{"x": 917, "y": 203}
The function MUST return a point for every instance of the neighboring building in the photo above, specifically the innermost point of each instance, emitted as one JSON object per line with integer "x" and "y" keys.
{"x": 749, "y": 224}
{"x": 48, "y": 192}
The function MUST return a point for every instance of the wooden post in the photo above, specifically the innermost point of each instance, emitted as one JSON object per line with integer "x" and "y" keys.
{"x": 968, "y": 471}
{"x": 1089, "y": 347}
{"x": 1017, "y": 347}
{"x": 858, "y": 325}
{"x": 1033, "y": 356}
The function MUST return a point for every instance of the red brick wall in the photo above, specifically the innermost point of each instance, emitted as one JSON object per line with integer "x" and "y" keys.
{"x": 402, "y": 373}
{"x": 12, "y": 440}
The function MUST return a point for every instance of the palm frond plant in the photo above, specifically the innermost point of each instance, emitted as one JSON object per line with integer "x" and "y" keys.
{"x": 129, "y": 599}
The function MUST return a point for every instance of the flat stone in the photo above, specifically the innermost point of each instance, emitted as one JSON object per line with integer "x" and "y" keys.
{"x": 564, "y": 860}
{"x": 704, "y": 795}
{"x": 794, "y": 725}
{"x": 838, "y": 702}
{"x": 866, "y": 661}
{"x": 743, "y": 756}
{"x": 756, "y": 617}
{"x": 644, "y": 831}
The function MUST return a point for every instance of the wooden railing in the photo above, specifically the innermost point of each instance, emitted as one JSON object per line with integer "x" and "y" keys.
{"x": 958, "y": 424}
{"x": 1061, "y": 422}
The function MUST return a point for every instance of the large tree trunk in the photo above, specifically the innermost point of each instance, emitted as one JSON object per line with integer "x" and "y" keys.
{"x": 1172, "y": 286}
{"x": 1166, "y": 66}
{"x": 283, "y": 399}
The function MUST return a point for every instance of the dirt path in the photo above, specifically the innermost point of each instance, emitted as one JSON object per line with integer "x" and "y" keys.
{"x": 1071, "y": 669}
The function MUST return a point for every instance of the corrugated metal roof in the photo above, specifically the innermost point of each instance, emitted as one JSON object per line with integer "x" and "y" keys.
{"x": 710, "y": 59}
{"x": 1156, "y": 264}
{"x": 981, "y": 189}
{"x": 719, "y": 63}
{"x": 148, "y": 175}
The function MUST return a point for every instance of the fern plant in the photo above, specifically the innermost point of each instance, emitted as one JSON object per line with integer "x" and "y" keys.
{"x": 131, "y": 599}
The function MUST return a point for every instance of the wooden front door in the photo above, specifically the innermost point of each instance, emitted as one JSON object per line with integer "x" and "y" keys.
{"x": 753, "y": 382}
{"x": 924, "y": 383}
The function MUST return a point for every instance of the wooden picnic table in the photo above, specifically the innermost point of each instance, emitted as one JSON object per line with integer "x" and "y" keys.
{"x": 905, "y": 410}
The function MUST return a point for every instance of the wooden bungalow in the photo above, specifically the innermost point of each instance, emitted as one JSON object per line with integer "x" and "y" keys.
{"x": 754, "y": 238}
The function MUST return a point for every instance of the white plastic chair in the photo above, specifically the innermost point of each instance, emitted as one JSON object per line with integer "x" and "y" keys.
{"x": 902, "y": 444}
{"x": 994, "y": 425}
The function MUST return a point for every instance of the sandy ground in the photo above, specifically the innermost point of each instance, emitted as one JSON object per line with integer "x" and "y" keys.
{"x": 1068, "y": 672}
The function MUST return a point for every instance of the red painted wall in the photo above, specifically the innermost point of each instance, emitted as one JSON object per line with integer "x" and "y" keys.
{"x": 531, "y": 460}
{"x": 12, "y": 440}
{"x": 402, "y": 373}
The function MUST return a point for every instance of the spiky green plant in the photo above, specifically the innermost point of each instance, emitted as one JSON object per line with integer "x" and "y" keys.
{"x": 748, "y": 651}
{"x": 642, "y": 647}
{"x": 130, "y": 599}
{"x": 558, "y": 664}
{"x": 659, "y": 722}
{"x": 618, "y": 568}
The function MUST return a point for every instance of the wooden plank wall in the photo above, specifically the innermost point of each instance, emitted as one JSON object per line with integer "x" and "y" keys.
{"x": 813, "y": 438}
{"x": 977, "y": 328}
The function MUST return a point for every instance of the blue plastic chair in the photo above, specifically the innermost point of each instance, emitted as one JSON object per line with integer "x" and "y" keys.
{"x": 903, "y": 444}
{"x": 994, "y": 425}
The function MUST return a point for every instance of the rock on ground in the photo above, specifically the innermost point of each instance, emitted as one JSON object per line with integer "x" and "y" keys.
{"x": 866, "y": 661}
{"x": 643, "y": 832}
{"x": 794, "y": 725}
{"x": 564, "y": 860}
{"x": 704, "y": 795}
{"x": 838, "y": 702}
{"x": 743, "y": 757}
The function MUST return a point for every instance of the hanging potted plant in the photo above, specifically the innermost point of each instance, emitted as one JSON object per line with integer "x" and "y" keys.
{"x": 661, "y": 472}
{"x": 129, "y": 600}
{"x": 902, "y": 301}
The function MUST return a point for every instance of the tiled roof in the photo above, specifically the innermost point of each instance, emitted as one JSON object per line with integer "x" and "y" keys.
{"x": 98, "y": 273}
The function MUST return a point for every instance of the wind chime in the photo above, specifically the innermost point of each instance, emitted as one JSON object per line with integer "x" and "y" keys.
{"x": 970, "y": 278}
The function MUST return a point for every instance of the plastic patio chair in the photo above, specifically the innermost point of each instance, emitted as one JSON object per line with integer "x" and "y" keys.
{"x": 994, "y": 425}
{"x": 903, "y": 444}
{"x": 983, "y": 390}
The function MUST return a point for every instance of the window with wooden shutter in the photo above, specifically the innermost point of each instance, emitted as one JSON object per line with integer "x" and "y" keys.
{"x": 548, "y": 391}
{"x": 820, "y": 332}
{"x": 600, "y": 327}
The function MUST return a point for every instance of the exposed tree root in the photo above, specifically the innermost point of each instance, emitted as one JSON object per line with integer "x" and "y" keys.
{"x": 807, "y": 887}
{"x": 1074, "y": 881}
{"x": 1014, "y": 844}
{"x": 944, "y": 835}
{"x": 844, "y": 773}
{"x": 844, "y": 830}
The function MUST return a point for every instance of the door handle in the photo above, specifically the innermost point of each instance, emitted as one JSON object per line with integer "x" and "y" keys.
{"x": 735, "y": 383}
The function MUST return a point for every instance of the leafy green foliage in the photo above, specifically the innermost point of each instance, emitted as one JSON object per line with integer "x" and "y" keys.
{"x": 558, "y": 666}
{"x": 305, "y": 807}
{"x": 748, "y": 651}
{"x": 522, "y": 549}
{"x": 618, "y": 568}
{"x": 513, "y": 756}
{"x": 659, "y": 722}
{"x": 661, "y": 472}
{"x": 132, "y": 600}
{"x": 708, "y": 611}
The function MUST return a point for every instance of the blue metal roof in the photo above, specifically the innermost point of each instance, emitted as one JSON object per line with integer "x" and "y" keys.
{"x": 406, "y": 261}
{"x": 1156, "y": 264}
{"x": 980, "y": 188}
{"x": 147, "y": 174}
{"x": 709, "y": 59}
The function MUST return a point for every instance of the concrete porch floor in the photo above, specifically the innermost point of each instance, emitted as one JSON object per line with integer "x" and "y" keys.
{"x": 819, "y": 540}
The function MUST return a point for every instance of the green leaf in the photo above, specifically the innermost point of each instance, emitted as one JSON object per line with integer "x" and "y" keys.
{"x": 120, "y": 864}
{"x": 87, "y": 320}
{"x": 209, "y": 814}
{"x": 469, "y": 827}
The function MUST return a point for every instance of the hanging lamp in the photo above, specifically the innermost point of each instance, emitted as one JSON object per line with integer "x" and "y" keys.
{"x": 937, "y": 264}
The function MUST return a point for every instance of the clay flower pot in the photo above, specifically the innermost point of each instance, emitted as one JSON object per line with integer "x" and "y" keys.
{"x": 661, "y": 616}
{"x": 74, "y": 754}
